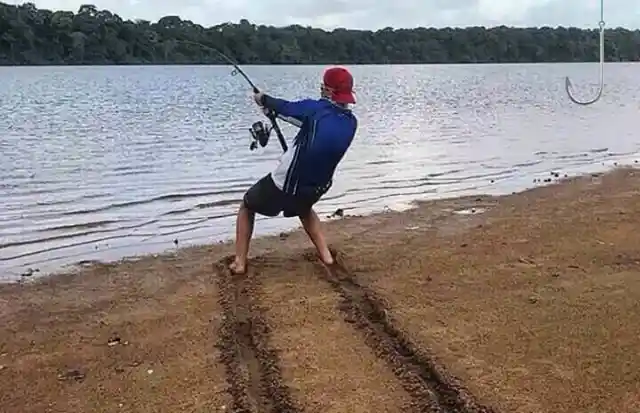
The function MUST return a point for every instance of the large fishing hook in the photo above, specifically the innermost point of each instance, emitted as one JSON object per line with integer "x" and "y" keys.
{"x": 567, "y": 82}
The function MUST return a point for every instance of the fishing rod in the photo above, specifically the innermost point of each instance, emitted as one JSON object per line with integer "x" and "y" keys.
{"x": 258, "y": 130}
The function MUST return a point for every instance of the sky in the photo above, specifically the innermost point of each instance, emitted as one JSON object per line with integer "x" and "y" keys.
{"x": 373, "y": 14}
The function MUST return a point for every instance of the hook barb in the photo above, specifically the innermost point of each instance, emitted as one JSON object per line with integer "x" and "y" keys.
{"x": 568, "y": 87}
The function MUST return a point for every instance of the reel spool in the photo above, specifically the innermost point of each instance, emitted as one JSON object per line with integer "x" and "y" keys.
{"x": 260, "y": 134}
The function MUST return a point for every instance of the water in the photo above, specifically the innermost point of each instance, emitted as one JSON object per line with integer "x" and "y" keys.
{"x": 106, "y": 162}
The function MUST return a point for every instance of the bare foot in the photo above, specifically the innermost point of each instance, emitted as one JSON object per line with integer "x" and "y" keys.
{"x": 327, "y": 259}
{"x": 238, "y": 268}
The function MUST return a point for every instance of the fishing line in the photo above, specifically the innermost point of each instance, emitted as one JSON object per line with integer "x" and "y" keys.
{"x": 259, "y": 131}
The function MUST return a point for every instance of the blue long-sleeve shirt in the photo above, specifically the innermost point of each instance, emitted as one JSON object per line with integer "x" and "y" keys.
{"x": 326, "y": 132}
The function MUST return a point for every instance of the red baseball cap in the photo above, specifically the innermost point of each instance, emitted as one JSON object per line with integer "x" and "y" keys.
{"x": 340, "y": 82}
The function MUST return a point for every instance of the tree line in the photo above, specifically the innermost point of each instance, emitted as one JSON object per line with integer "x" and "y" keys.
{"x": 32, "y": 36}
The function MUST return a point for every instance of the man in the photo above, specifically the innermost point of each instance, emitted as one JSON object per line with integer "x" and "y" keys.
{"x": 305, "y": 172}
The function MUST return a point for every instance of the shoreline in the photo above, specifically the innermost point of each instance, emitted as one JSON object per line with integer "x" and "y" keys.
{"x": 260, "y": 243}
{"x": 67, "y": 267}
{"x": 538, "y": 291}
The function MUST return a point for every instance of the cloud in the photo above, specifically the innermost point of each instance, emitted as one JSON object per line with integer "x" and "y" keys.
{"x": 375, "y": 14}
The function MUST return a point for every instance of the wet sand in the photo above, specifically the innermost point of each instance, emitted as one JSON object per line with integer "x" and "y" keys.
{"x": 530, "y": 306}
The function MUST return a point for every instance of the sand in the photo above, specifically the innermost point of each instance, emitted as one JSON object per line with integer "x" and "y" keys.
{"x": 530, "y": 306}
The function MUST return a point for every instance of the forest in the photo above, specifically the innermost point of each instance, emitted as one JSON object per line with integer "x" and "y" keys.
{"x": 32, "y": 36}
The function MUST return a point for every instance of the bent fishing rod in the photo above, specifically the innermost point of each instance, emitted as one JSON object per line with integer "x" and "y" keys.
{"x": 259, "y": 131}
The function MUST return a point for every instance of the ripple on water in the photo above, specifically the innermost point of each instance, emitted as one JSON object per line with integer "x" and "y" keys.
{"x": 92, "y": 168}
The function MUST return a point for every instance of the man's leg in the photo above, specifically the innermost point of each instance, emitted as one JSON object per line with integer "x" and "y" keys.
{"x": 244, "y": 230}
{"x": 263, "y": 198}
{"x": 312, "y": 226}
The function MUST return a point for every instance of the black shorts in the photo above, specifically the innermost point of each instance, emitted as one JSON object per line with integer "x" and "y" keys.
{"x": 265, "y": 198}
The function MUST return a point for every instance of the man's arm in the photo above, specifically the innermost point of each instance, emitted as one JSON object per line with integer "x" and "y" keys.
{"x": 291, "y": 120}
{"x": 298, "y": 110}
{"x": 288, "y": 119}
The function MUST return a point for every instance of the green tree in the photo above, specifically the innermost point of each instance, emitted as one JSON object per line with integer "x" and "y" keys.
{"x": 32, "y": 36}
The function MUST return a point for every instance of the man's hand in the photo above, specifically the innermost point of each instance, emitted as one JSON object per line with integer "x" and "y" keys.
{"x": 258, "y": 98}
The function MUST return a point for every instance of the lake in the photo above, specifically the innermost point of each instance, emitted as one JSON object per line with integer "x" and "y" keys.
{"x": 98, "y": 163}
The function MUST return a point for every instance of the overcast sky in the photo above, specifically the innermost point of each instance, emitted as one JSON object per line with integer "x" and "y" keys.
{"x": 373, "y": 14}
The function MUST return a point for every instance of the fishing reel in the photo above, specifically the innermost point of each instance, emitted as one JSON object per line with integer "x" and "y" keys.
{"x": 260, "y": 134}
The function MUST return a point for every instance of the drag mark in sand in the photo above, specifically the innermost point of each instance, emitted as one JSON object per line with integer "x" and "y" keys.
{"x": 252, "y": 367}
{"x": 430, "y": 386}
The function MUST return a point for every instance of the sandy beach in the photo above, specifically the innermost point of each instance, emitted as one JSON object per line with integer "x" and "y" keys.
{"x": 523, "y": 303}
